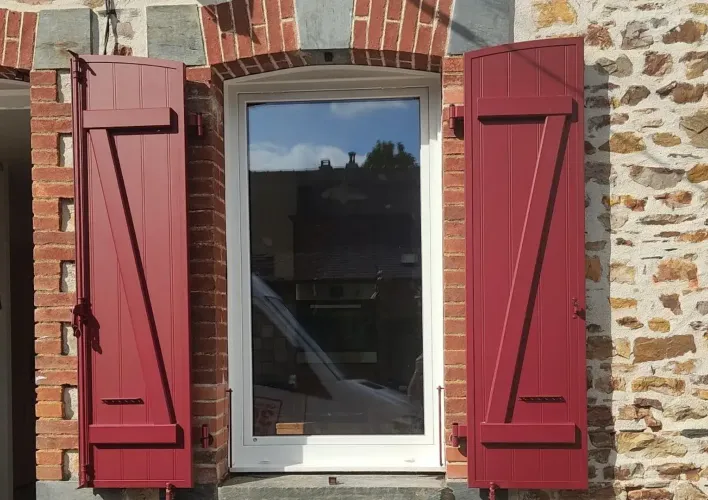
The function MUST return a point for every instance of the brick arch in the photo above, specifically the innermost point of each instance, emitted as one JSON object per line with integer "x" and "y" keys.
{"x": 17, "y": 35}
{"x": 244, "y": 37}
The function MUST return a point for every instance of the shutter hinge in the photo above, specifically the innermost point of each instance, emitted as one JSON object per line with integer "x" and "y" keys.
{"x": 195, "y": 124}
{"x": 458, "y": 432}
{"x": 455, "y": 115}
{"x": 79, "y": 313}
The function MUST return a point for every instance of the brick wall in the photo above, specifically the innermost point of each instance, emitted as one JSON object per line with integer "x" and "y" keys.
{"x": 56, "y": 362}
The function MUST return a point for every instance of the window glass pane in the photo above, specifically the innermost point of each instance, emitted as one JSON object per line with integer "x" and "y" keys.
{"x": 334, "y": 207}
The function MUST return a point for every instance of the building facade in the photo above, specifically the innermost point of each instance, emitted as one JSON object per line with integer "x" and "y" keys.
{"x": 646, "y": 161}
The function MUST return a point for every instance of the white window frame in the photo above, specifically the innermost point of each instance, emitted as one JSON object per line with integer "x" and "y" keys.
{"x": 391, "y": 453}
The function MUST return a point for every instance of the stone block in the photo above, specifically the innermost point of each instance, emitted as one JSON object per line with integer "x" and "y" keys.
{"x": 59, "y": 31}
{"x": 324, "y": 25}
{"x": 174, "y": 33}
{"x": 479, "y": 23}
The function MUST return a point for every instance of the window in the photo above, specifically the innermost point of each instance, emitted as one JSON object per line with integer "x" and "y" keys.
{"x": 333, "y": 226}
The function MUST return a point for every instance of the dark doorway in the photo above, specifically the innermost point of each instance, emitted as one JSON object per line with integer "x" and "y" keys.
{"x": 18, "y": 287}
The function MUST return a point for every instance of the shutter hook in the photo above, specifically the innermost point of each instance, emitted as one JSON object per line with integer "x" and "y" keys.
{"x": 492, "y": 491}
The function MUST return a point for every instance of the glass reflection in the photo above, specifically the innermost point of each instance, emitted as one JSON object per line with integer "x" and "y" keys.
{"x": 336, "y": 267}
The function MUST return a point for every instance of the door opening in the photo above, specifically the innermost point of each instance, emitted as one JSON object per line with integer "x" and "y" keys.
{"x": 332, "y": 223}
{"x": 17, "y": 394}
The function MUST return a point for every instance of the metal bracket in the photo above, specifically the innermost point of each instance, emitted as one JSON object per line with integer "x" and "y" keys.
{"x": 205, "y": 439}
{"x": 458, "y": 432}
{"x": 195, "y": 123}
{"x": 455, "y": 114}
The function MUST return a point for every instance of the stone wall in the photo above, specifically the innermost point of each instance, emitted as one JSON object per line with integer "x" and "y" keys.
{"x": 646, "y": 167}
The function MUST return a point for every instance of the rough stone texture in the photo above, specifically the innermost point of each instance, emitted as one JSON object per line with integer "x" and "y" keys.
{"x": 59, "y": 31}
{"x": 477, "y": 24}
{"x": 165, "y": 42}
{"x": 324, "y": 25}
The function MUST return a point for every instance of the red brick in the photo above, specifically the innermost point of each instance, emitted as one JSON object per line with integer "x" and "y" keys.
{"x": 42, "y": 173}
{"x": 453, "y": 64}
{"x": 14, "y": 20}
{"x": 9, "y": 58}
{"x": 454, "y": 229}
{"x": 395, "y": 9}
{"x": 46, "y": 283}
{"x": 257, "y": 12}
{"x": 47, "y": 109}
{"x": 454, "y": 455}
{"x": 456, "y": 390}
{"x": 454, "y": 310}
{"x": 29, "y": 26}
{"x": 3, "y": 18}
{"x": 49, "y": 472}
{"x": 55, "y": 362}
{"x": 47, "y": 330}
{"x": 45, "y": 157}
{"x": 54, "y": 252}
{"x": 390, "y": 41}
{"x": 441, "y": 29}
{"x": 52, "y": 190}
{"x": 454, "y": 212}
{"x": 454, "y": 373}
{"x": 427, "y": 11}
{"x": 47, "y": 457}
{"x": 243, "y": 29}
{"x": 54, "y": 299}
{"x": 453, "y": 195}
{"x": 422, "y": 43}
{"x": 456, "y": 342}
{"x": 224, "y": 16}
{"x": 59, "y": 237}
{"x": 43, "y": 78}
{"x": 45, "y": 207}
{"x": 454, "y": 294}
{"x": 453, "y": 163}
{"x": 359, "y": 39}
{"x": 47, "y": 346}
{"x": 275, "y": 34}
{"x": 46, "y": 268}
{"x": 48, "y": 409}
{"x": 228, "y": 45}
{"x": 376, "y": 24}
{"x": 453, "y": 179}
{"x": 211, "y": 35}
{"x": 61, "y": 125}
{"x": 453, "y": 146}
{"x": 44, "y": 141}
{"x": 454, "y": 245}
{"x": 454, "y": 262}
{"x": 260, "y": 40}
{"x": 410, "y": 21}
{"x": 199, "y": 75}
{"x": 287, "y": 9}
{"x": 49, "y": 393}
{"x": 56, "y": 378}
{"x": 361, "y": 8}
{"x": 455, "y": 358}
{"x": 52, "y": 314}
{"x": 454, "y": 277}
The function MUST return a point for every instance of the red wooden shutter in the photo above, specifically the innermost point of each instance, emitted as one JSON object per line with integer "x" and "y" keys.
{"x": 526, "y": 288}
{"x": 133, "y": 303}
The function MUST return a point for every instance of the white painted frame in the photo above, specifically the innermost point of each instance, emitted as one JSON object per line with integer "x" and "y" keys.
{"x": 333, "y": 453}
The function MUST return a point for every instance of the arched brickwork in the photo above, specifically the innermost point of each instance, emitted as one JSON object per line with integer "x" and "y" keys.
{"x": 17, "y": 33}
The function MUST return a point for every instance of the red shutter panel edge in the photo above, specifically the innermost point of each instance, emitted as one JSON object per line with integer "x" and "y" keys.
{"x": 524, "y": 146}
{"x": 132, "y": 316}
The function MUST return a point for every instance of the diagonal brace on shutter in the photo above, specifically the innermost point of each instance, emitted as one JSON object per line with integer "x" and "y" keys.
{"x": 557, "y": 111}
{"x": 133, "y": 277}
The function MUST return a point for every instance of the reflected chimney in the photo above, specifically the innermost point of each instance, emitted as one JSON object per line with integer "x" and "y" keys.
{"x": 352, "y": 160}
{"x": 325, "y": 165}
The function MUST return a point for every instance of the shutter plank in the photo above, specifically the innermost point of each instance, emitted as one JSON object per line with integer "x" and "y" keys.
{"x": 525, "y": 209}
